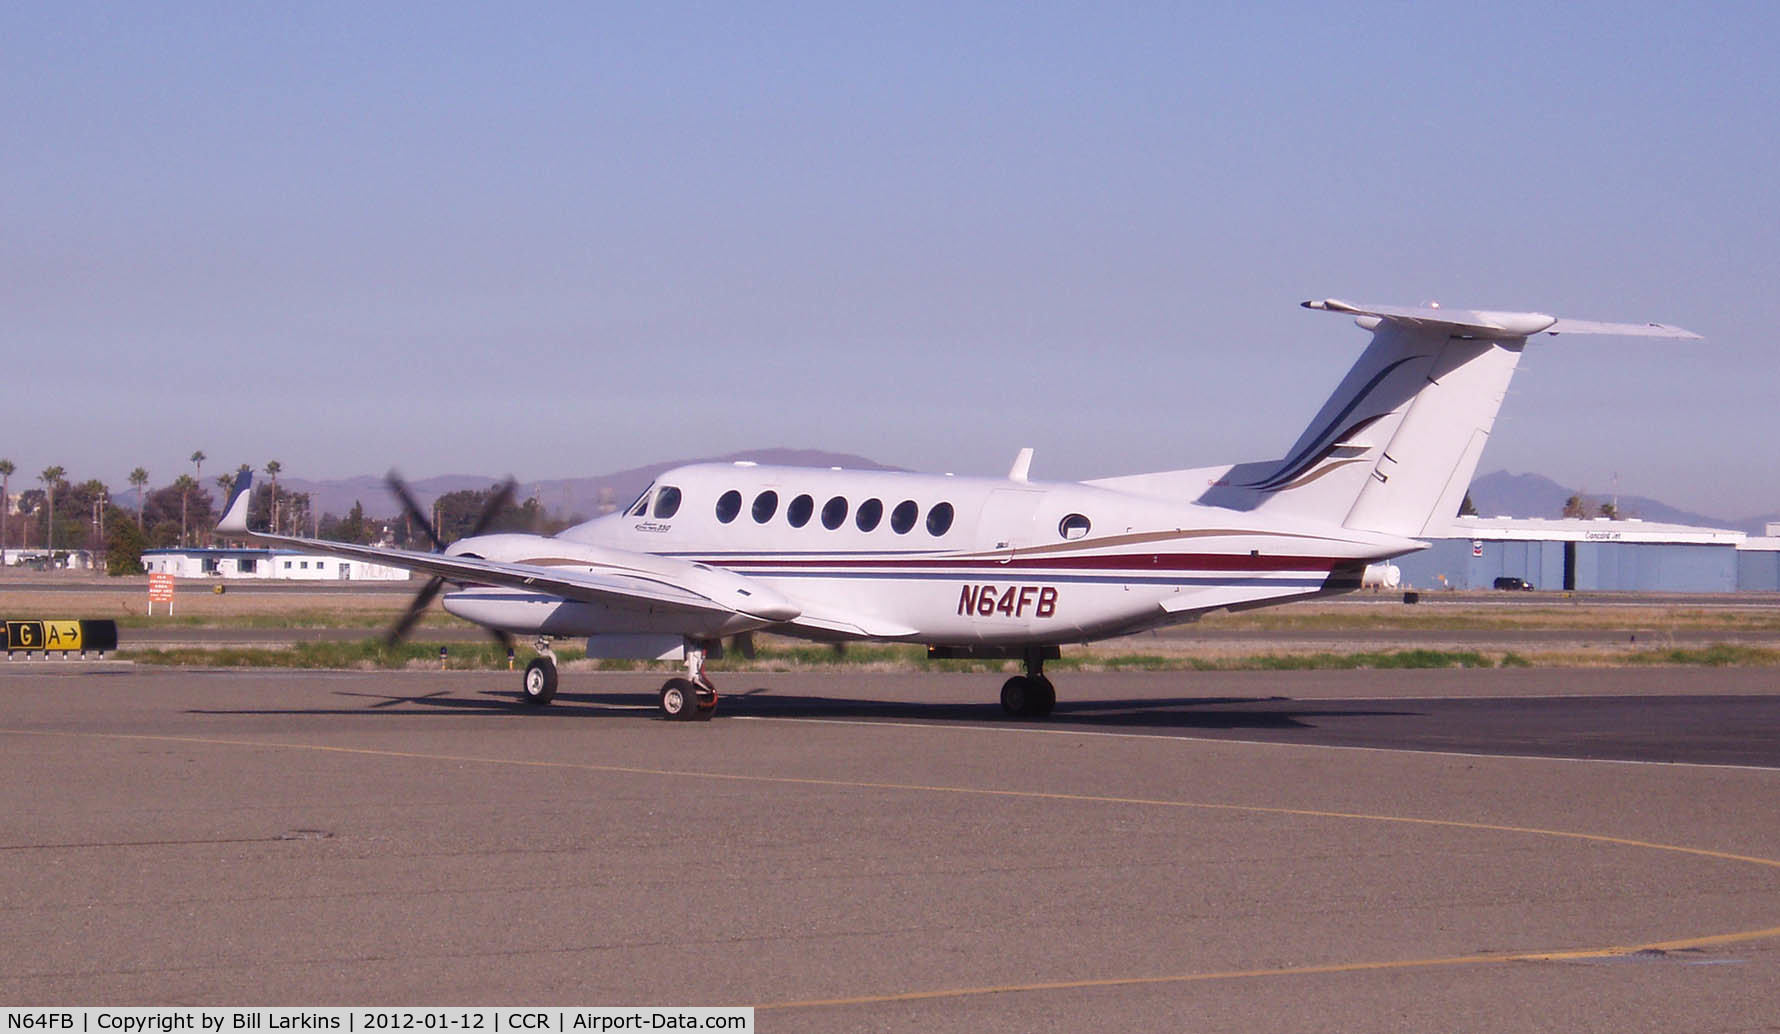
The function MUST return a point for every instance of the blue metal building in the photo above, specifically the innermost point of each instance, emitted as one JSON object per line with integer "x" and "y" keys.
{"x": 1595, "y": 555}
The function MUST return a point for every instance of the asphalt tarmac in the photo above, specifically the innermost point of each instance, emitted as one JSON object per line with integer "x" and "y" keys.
{"x": 1509, "y": 849}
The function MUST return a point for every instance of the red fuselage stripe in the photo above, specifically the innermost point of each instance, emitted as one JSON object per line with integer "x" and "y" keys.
{"x": 1116, "y": 562}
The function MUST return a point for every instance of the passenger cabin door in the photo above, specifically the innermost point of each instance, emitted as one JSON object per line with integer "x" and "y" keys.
{"x": 1005, "y": 523}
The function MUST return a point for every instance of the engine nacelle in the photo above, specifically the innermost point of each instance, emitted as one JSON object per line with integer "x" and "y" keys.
{"x": 535, "y": 613}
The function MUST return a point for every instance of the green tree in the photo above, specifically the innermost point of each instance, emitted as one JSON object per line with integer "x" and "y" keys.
{"x": 295, "y": 513}
{"x": 89, "y": 502}
{"x": 31, "y": 501}
{"x": 354, "y": 527}
{"x": 184, "y": 484}
{"x": 1575, "y": 507}
{"x": 169, "y": 509}
{"x": 1609, "y": 511}
{"x": 50, "y": 477}
{"x": 123, "y": 550}
{"x": 273, "y": 468}
{"x": 7, "y": 469}
{"x": 456, "y": 514}
{"x": 198, "y": 459}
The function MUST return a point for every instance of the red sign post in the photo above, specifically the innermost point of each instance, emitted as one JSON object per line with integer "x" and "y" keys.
{"x": 160, "y": 590}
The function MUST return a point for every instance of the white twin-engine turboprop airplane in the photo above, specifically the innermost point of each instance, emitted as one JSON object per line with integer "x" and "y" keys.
{"x": 998, "y": 567}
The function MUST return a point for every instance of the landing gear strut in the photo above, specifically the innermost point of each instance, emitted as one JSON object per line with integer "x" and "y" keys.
{"x": 539, "y": 687}
{"x": 1030, "y": 695}
{"x": 693, "y": 698}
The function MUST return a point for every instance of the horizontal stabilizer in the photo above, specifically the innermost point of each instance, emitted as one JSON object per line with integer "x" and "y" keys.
{"x": 1485, "y": 323}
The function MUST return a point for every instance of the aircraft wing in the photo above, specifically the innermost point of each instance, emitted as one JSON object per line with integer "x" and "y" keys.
{"x": 624, "y": 580}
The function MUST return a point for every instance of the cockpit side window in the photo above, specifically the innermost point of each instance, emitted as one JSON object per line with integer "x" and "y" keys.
{"x": 667, "y": 502}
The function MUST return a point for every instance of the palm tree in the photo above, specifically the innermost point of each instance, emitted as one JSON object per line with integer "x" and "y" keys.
{"x": 49, "y": 477}
{"x": 7, "y": 467}
{"x": 139, "y": 481}
{"x": 198, "y": 459}
{"x": 185, "y": 483}
{"x": 272, "y": 469}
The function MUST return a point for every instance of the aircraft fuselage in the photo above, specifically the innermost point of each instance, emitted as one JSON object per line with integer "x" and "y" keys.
{"x": 946, "y": 560}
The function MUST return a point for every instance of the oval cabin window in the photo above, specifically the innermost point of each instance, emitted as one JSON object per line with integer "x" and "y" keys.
{"x": 870, "y": 513}
{"x": 798, "y": 513}
{"x": 765, "y": 505}
{"x": 834, "y": 512}
{"x": 728, "y": 505}
{"x": 939, "y": 519}
{"x": 903, "y": 517}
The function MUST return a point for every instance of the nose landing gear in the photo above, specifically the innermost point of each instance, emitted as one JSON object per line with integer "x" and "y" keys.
{"x": 539, "y": 687}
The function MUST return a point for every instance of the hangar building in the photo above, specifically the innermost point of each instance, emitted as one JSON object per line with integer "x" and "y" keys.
{"x": 1595, "y": 555}
{"x": 264, "y": 563}
{"x": 1758, "y": 562}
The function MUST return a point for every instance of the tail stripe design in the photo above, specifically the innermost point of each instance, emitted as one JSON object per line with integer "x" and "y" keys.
{"x": 1316, "y": 450}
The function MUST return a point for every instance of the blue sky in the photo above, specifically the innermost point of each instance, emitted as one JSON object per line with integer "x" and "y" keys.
{"x": 563, "y": 239}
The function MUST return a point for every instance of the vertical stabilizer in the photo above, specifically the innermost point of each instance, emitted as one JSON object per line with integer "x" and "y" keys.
{"x": 1417, "y": 479}
{"x": 1394, "y": 448}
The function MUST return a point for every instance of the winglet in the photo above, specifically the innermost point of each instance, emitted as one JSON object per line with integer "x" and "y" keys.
{"x": 234, "y": 519}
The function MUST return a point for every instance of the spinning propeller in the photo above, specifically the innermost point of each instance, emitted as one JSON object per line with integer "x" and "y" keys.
{"x": 424, "y": 598}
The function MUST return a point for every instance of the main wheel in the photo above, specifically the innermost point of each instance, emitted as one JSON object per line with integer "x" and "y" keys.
{"x": 679, "y": 700}
{"x": 539, "y": 687}
{"x": 1015, "y": 693}
{"x": 1026, "y": 697}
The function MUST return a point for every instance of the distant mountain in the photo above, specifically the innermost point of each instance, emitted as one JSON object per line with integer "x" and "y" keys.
{"x": 1502, "y": 494}
{"x": 564, "y": 497}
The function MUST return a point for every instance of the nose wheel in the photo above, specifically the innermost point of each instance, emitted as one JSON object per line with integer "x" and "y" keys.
{"x": 539, "y": 686}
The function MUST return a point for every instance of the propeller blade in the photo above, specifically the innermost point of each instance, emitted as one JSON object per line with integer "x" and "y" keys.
{"x": 502, "y": 498}
{"x": 415, "y": 513}
{"x": 399, "y": 631}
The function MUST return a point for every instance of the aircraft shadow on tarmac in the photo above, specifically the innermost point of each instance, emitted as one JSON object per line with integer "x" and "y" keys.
{"x": 1203, "y": 713}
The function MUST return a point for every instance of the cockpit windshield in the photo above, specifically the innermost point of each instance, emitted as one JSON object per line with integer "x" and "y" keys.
{"x": 641, "y": 506}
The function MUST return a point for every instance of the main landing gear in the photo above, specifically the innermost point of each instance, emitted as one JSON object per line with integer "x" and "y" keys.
{"x": 693, "y": 698}
{"x": 539, "y": 687}
{"x": 1030, "y": 695}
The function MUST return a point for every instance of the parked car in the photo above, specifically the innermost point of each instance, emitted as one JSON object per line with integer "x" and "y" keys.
{"x": 1514, "y": 583}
